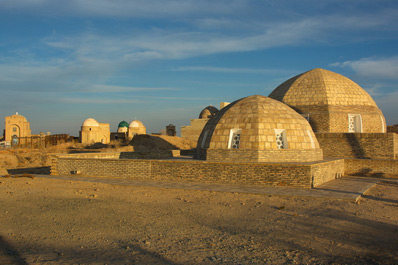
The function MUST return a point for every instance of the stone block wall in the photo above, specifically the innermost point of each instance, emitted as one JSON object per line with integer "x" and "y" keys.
{"x": 372, "y": 167}
{"x": 267, "y": 174}
{"x": 373, "y": 120}
{"x": 327, "y": 171}
{"x": 104, "y": 167}
{"x": 359, "y": 145}
{"x": 281, "y": 155}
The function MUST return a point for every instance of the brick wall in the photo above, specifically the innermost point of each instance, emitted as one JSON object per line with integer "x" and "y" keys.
{"x": 282, "y": 174}
{"x": 372, "y": 167}
{"x": 359, "y": 145}
{"x": 327, "y": 171}
{"x": 282, "y": 155}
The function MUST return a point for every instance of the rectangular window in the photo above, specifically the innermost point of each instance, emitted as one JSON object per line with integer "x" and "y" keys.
{"x": 280, "y": 137}
{"x": 234, "y": 138}
{"x": 14, "y": 129}
{"x": 354, "y": 123}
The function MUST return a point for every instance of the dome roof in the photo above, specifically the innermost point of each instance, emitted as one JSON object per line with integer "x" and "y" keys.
{"x": 123, "y": 124}
{"x": 136, "y": 123}
{"x": 321, "y": 87}
{"x": 20, "y": 116}
{"x": 208, "y": 112}
{"x": 261, "y": 124}
{"x": 90, "y": 122}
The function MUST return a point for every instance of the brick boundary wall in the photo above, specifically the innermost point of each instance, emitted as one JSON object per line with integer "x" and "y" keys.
{"x": 371, "y": 167}
{"x": 282, "y": 155}
{"x": 303, "y": 175}
{"x": 359, "y": 145}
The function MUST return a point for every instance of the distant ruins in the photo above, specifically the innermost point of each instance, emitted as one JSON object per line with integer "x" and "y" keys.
{"x": 95, "y": 132}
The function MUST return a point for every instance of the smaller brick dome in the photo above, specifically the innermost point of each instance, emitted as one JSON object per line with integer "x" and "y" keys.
{"x": 135, "y": 124}
{"x": 208, "y": 112}
{"x": 90, "y": 122}
{"x": 123, "y": 124}
{"x": 258, "y": 129}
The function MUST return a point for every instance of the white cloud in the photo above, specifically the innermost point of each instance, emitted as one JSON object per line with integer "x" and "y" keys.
{"x": 123, "y": 8}
{"x": 113, "y": 89}
{"x": 230, "y": 70}
{"x": 373, "y": 67}
{"x": 71, "y": 100}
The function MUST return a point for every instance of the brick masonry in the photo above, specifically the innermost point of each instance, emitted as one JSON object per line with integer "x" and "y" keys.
{"x": 303, "y": 175}
{"x": 329, "y": 98}
{"x": 372, "y": 167}
{"x": 359, "y": 145}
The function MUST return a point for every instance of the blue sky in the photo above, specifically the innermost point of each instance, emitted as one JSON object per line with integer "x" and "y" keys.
{"x": 163, "y": 61}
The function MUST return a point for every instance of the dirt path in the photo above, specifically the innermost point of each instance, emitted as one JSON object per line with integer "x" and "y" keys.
{"x": 45, "y": 221}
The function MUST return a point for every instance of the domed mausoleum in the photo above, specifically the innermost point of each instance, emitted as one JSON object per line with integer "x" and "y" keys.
{"x": 258, "y": 129}
{"x": 94, "y": 132}
{"x": 123, "y": 127}
{"x": 16, "y": 126}
{"x": 331, "y": 102}
{"x": 136, "y": 127}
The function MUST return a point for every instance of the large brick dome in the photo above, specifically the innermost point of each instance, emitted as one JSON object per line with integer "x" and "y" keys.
{"x": 258, "y": 129}
{"x": 331, "y": 102}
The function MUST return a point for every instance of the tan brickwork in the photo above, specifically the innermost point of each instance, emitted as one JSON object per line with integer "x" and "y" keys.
{"x": 329, "y": 98}
{"x": 359, "y": 145}
{"x": 372, "y": 167}
{"x": 16, "y": 125}
{"x": 303, "y": 175}
{"x": 94, "y": 132}
{"x": 258, "y": 118}
{"x": 192, "y": 131}
{"x": 135, "y": 127}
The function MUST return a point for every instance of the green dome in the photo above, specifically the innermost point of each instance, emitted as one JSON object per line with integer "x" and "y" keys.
{"x": 123, "y": 124}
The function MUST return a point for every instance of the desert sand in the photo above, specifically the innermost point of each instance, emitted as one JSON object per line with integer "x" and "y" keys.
{"x": 47, "y": 221}
{"x": 50, "y": 221}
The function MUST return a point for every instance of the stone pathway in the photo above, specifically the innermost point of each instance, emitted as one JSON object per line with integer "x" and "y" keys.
{"x": 345, "y": 188}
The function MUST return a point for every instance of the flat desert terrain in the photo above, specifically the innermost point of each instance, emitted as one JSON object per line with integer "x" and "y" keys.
{"x": 47, "y": 221}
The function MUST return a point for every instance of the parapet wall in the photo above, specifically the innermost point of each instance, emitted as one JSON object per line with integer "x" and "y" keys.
{"x": 359, "y": 145}
{"x": 370, "y": 167}
{"x": 303, "y": 175}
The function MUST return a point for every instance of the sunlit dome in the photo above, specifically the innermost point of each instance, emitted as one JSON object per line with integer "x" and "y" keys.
{"x": 90, "y": 122}
{"x": 123, "y": 124}
{"x": 331, "y": 102}
{"x": 136, "y": 123}
{"x": 258, "y": 129}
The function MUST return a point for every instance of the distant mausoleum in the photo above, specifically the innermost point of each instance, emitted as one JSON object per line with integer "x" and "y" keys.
{"x": 16, "y": 126}
{"x": 94, "y": 132}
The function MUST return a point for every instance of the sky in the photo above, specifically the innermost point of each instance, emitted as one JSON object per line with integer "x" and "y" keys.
{"x": 163, "y": 61}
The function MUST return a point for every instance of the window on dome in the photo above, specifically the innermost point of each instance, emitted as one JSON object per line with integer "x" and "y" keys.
{"x": 354, "y": 123}
{"x": 280, "y": 137}
{"x": 234, "y": 138}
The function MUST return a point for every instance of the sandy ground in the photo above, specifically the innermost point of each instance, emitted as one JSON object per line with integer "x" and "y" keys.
{"x": 46, "y": 221}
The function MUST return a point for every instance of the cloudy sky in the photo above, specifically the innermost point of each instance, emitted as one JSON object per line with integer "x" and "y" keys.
{"x": 163, "y": 61}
